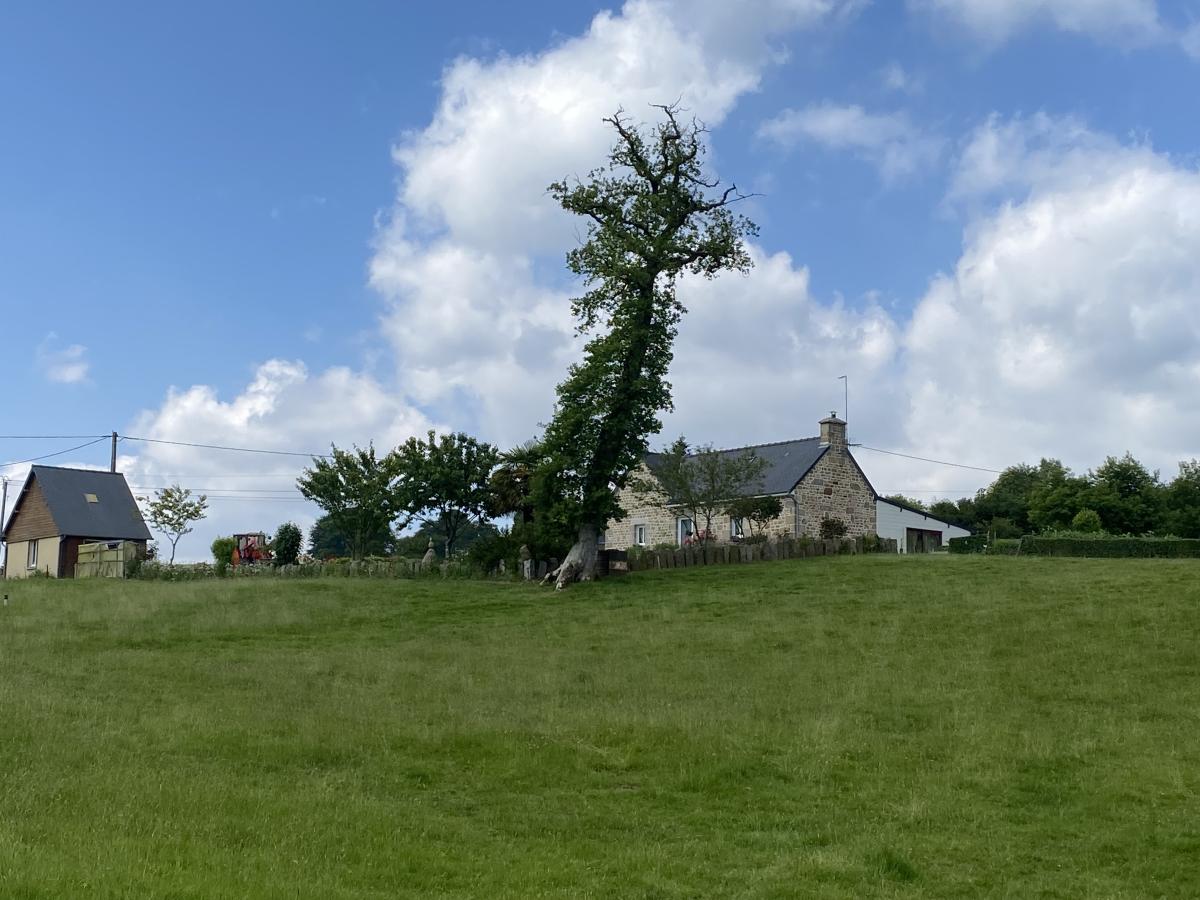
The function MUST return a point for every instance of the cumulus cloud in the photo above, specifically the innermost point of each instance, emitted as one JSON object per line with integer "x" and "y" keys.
{"x": 1123, "y": 22}
{"x": 285, "y": 408}
{"x": 62, "y": 365}
{"x": 1066, "y": 328}
{"x": 890, "y": 141}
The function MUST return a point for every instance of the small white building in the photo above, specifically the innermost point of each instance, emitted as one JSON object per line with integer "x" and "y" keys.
{"x": 913, "y": 530}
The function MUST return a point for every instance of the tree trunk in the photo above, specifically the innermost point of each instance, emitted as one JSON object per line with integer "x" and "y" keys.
{"x": 580, "y": 564}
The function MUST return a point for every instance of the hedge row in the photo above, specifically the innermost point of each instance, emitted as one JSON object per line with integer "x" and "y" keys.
{"x": 1110, "y": 547}
{"x": 1104, "y": 546}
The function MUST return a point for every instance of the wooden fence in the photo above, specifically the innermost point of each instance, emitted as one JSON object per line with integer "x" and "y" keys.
{"x": 721, "y": 554}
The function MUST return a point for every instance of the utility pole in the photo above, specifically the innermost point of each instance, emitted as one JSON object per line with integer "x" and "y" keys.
{"x": 3, "y": 511}
{"x": 112, "y": 466}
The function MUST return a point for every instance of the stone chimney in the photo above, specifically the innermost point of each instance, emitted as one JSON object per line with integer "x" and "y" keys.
{"x": 833, "y": 432}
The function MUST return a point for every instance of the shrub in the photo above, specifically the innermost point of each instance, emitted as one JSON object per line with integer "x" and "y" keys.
{"x": 832, "y": 529}
{"x": 487, "y": 552}
{"x": 1005, "y": 547}
{"x": 975, "y": 543}
{"x": 222, "y": 549}
{"x": 286, "y": 545}
{"x": 1087, "y": 521}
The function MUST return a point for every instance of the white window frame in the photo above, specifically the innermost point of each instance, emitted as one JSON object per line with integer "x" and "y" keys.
{"x": 31, "y": 555}
{"x": 639, "y": 535}
{"x": 680, "y": 535}
{"x": 737, "y": 527}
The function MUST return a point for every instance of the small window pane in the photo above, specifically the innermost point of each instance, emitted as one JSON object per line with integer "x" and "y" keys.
{"x": 32, "y": 556}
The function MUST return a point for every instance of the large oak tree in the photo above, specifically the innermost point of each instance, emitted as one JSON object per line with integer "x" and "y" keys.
{"x": 653, "y": 213}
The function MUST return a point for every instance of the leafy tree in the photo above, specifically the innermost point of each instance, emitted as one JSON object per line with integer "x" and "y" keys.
{"x": 1128, "y": 497}
{"x": 907, "y": 501}
{"x": 701, "y": 483}
{"x": 1181, "y": 514}
{"x": 415, "y": 544}
{"x": 956, "y": 512}
{"x": 510, "y": 485}
{"x": 173, "y": 510}
{"x": 444, "y": 482}
{"x": 286, "y": 546}
{"x": 651, "y": 218}
{"x": 832, "y": 529}
{"x": 1087, "y": 521}
{"x": 326, "y": 540}
{"x": 222, "y": 549}
{"x": 357, "y": 490}
{"x": 758, "y": 512}
{"x": 1057, "y": 497}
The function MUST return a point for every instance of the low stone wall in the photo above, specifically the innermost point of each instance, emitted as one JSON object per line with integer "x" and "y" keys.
{"x": 717, "y": 554}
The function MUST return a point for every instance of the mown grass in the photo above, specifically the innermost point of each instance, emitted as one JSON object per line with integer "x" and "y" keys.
{"x": 842, "y": 727}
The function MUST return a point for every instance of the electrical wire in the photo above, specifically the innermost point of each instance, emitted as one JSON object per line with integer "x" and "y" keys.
{"x": 940, "y": 462}
{"x": 21, "y": 462}
{"x": 50, "y": 437}
{"x": 232, "y": 449}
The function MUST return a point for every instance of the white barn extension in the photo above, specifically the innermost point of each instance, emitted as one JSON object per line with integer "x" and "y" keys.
{"x": 913, "y": 530}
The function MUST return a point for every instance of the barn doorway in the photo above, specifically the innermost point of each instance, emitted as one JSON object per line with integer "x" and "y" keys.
{"x": 920, "y": 540}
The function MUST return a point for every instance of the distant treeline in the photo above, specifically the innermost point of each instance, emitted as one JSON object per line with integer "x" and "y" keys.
{"x": 1121, "y": 496}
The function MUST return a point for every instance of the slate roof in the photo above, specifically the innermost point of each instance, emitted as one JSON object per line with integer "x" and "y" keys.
{"x": 787, "y": 461}
{"x": 114, "y": 517}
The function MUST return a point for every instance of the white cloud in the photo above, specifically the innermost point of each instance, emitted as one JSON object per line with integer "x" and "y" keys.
{"x": 1067, "y": 328}
{"x": 896, "y": 78}
{"x": 889, "y": 141}
{"x": 65, "y": 365}
{"x": 1190, "y": 40}
{"x": 1123, "y": 22}
{"x": 284, "y": 408}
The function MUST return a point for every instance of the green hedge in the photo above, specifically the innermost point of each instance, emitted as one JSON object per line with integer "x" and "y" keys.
{"x": 976, "y": 543}
{"x": 1110, "y": 547}
{"x": 1006, "y": 547}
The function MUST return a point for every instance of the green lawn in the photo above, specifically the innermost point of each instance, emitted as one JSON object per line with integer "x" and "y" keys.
{"x": 845, "y": 727}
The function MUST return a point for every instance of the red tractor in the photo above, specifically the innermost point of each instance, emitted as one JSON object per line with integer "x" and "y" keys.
{"x": 250, "y": 549}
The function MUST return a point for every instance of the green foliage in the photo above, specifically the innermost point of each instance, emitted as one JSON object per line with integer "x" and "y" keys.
{"x": 1099, "y": 545}
{"x": 975, "y": 543}
{"x": 357, "y": 491}
{"x": 286, "y": 545}
{"x": 327, "y": 541}
{"x": 1005, "y": 547}
{"x": 1087, "y": 521}
{"x": 414, "y": 545}
{"x": 486, "y": 554}
{"x": 173, "y": 510}
{"x": 832, "y": 529}
{"x": 907, "y": 501}
{"x": 700, "y": 482}
{"x": 443, "y": 481}
{"x": 650, "y": 219}
{"x": 757, "y": 512}
{"x": 222, "y": 549}
{"x": 510, "y": 486}
{"x": 1181, "y": 514}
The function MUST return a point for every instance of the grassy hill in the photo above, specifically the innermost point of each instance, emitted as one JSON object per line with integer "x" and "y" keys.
{"x": 840, "y": 727}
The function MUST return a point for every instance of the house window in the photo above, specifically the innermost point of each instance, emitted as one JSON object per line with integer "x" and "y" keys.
{"x": 684, "y": 529}
{"x": 639, "y": 535}
{"x": 736, "y": 528}
{"x": 31, "y": 561}
{"x": 91, "y": 498}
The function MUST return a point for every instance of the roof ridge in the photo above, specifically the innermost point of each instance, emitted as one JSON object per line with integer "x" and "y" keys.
{"x": 767, "y": 444}
{"x": 77, "y": 469}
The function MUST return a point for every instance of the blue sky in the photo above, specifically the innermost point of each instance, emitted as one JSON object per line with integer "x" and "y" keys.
{"x": 286, "y": 225}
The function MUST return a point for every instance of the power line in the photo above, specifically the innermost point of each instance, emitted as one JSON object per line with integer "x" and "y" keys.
{"x": 940, "y": 462}
{"x": 232, "y": 449}
{"x": 21, "y": 462}
{"x": 49, "y": 437}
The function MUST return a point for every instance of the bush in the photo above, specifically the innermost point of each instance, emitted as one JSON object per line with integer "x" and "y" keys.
{"x": 1099, "y": 545}
{"x": 1087, "y": 521}
{"x": 286, "y": 545}
{"x": 487, "y": 552}
{"x": 222, "y": 549}
{"x": 153, "y": 570}
{"x": 1005, "y": 547}
{"x": 832, "y": 529}
{"x": 975, "y": 543}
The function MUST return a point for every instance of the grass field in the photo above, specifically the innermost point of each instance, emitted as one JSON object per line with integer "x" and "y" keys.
{"x": 842, "y": 727}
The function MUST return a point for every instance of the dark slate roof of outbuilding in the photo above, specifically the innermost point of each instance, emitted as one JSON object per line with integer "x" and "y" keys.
{"x": 115, "y": 517}
{"x": 787, "y": 461}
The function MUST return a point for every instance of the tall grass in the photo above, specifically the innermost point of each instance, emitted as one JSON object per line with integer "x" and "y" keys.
{"x": 839, "y": 727}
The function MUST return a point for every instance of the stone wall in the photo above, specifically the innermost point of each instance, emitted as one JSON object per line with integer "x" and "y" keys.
{"x": 835, "y": 487}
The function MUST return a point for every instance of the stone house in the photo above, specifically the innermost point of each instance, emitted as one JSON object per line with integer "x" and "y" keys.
{"x": 814, "y": 478}
{"x": 58, "y": 510}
